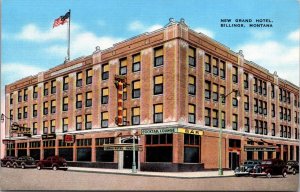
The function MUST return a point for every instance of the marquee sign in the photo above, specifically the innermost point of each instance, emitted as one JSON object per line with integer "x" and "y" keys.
{"x": 69, "y": 138}
{"x": 122, "y": 147}
{"x": 171, "y": 130}
{"x": 260, "y": 148}
{"x": 48, "y": 136}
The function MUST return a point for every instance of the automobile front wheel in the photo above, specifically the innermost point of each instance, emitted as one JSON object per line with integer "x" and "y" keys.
{"x": 15, "y": 166}
{"x": 294, "y": 171}
{"x": 54, "y": 167}
{"x": 284, "y": 174}
{"x": 38, "y": 167}
{"x": 8, "y": 165}
{"x": 269, "y": 175}
{"x": 23, "y": 166}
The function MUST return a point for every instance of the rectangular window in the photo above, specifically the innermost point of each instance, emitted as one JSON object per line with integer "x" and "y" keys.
{"x": 136, "y": 65}
{"x": 234, "y": 122}
{"x": 265, "y": 108}
{"x": 273, "y": 110}
{"x": 255, "y": 84}
{"x": 65, "y": 122}
{"x": 260, "y": 106}
{"x": 234, "y": 74}
{"x": 264, "y": 88}
{"x": 158, "y": 85}
{"x": 104, "y": 119}
{"x": 247, "y": 128}
{"x": 11, "y": 114}
{"x": 265, "y": 128}
{"x": 215, "y": 94}
{"x": 11, "y": 98}
{"x": 272, "y": 91}
{"x": 88, "y": 99}
{"x": 105, "y": 71}
{"x": 234, "y": 101}
{"x": 246, "y": 85}
{"x": 222, "y": 69}
{"x": 35, "y": 92}
{"x": 46, "y": 107}
{"x": 79, "y": 122}
{"x": 280, "y": 94}
{"x": 192, "y": 113}
{"x": 207, "y": 90}
{"x": 19, "y": 113}
{"x": 135, "y": 116}
{"x": 25, "y": 94}
{"x": 53, "y": 87}
{"x": 273, "y": 129}
{"x": 46, "y": 89}
{"x": 288, "y": 97}
{"x": 192, "y": 85}
{"x": 215, "y": 66}
{"x": 53, "y": 125}
{"x": 207, "y": 63}
{"x": 192, "y": 57}
{"x": 296, "y": 133}
{"x": 255, "y": 105}
{"x": 89, "y": 76}
{"x": 19, "y": 96}
{"x": 78, "y": 101}
{"x": 53, "y": 106}
{"x": 281, "y": 113}
{"x": 289, "y": 115}
{"x": 289, "y": 132}
{"x": 88, "y": 121}
{"x": 136, "y": 89}
{"x": 79, "y": 79}
{"x": 284, "y": 95}
{"x": 223, "y": 119}
{"x": 25, "y": 110}
{"x": 222, "y": 94}
{"x": 246, "y": 105}
{"x": 259, "y": 86}
{"x": 158, "y": 113}
{"x": 34, "y": 128}
{"x": 66, "y": 83}
{"x": 123, "y": 66}
{"x": 207, "y": 116}
{"x": 215, "y": 118}
{"x": 45, "y": 127}
{"x": 125, "y": 117}
{"x": 34, "y": 110}
{"x": 281, "y": 130}
{"x": 104, "y": 98}
{"x": 65, "y": 103}
{"x": 285, "y": 132}
{"x": 124, "y": 93}
{"x": 158, "y": 56}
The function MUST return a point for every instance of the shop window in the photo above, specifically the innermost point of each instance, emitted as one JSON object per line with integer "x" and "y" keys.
{"x": 78, "y": 101}
{"x": 222, "y": 69}
{"x": 158, "y": 85}
{"x": 191, "y": 148}
{"x": 45, "y": 127}
{"x": 192, "y": 113}
{"x": 207, "y": 63}
{"x": 35, "y": 92}
{"x": 66, "y": 83}
{"x": 88, "y": 121}
{"x": 192, "y": 57}
{"x": 25, "y": 110}
{"x": 215, "y": 66}
{"x": 246, "y": 85}
{"x": 136, "y": 89}
{"x": 46, "y": 107}
{"x": 157, "y": 145}
{"x": 53, "y": 125}
{"x": 101, "y": 154}
{"x": 105, "y": 71}
{"x": 104, "y": 119}
{"x": 104, "y": 98}
{"x": 234, "y": 122}
{"x": 123, "y": 66}
{"x": 46, "y": 89}
{"x": 158, "y": 113}
{"x": 53, "y": 87}
{"x": 65, "y": 122}
{"x": 89, "y": 76}
{"x": 158, "y": 57}
{"x": 79, "y": 79}
{"x": 207, "y": 90}
{"x": 136, "y": 65}
{"x": 234, "y": 74}
{"x": 215, "y": 118}
{"x": 79, "y": 122}
{"x": 88, "y": 99}
{"x": 84, "y": 150}
{"x": 192, "y": 85}
{"x": 207, "y": 116}
{"x": 65, "y": 103}
{"x": 135, "y": 116}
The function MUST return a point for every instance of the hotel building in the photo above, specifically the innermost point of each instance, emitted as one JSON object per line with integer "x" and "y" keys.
{"x": 166, "y": 86}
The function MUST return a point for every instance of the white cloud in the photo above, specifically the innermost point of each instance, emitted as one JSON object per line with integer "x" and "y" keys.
{"x": 15, "y": 71}
{"x": 274, "y": 56}
{"x": 205, "y": 31}
{"x": 294, "y": 36}
{"x": 261, "y": 34}
{"x": 140, "y": 27}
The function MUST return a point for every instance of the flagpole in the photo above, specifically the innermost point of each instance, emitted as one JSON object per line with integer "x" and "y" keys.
{"x": 69, "y": 36}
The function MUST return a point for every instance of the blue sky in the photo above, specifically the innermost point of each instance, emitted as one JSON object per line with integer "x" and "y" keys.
{"x": 30, "y": 44}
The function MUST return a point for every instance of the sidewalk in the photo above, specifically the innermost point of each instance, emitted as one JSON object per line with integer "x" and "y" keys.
{"x": 198, "y": 174}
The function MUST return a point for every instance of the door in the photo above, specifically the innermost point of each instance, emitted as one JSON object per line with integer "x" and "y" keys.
{"x": 234, "y": 160}
{"x": 128, "y": 156}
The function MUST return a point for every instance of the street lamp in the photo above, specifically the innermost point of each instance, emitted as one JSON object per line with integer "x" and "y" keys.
{"x": 133, "y": 151}
{"x": 222, "y": 98}
{"x": 3, "y": 117}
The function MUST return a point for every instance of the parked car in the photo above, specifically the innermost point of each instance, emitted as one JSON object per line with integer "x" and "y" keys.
{"x": 293, "y": 167}
{"x": 269, "y": 168}
{"x": 246, "y": 168}
{"x": 24, "y": 162}
{"x": 52, "y": 162}
{"x": 8, "y": 161}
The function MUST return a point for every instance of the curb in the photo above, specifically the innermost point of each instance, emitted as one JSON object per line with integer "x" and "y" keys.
{"x": 146, "y": 175}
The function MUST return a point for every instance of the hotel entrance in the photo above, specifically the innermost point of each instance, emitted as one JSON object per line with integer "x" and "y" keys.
{"x": 128, "y": 156}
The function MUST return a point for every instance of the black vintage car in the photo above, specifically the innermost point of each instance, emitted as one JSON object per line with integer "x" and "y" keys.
{"x": 8, "y": 161}
{"x": 293, "y": 167}
{"x": 24, "y": 162}
{"x": 246, "y": 168}
{"x": 269, "y": 168}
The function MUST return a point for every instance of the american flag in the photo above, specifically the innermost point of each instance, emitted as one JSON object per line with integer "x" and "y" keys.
{"x": 61, "y": 20}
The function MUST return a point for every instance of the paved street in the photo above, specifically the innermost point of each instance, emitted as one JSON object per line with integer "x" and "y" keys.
{"x": 32, "y": 179}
